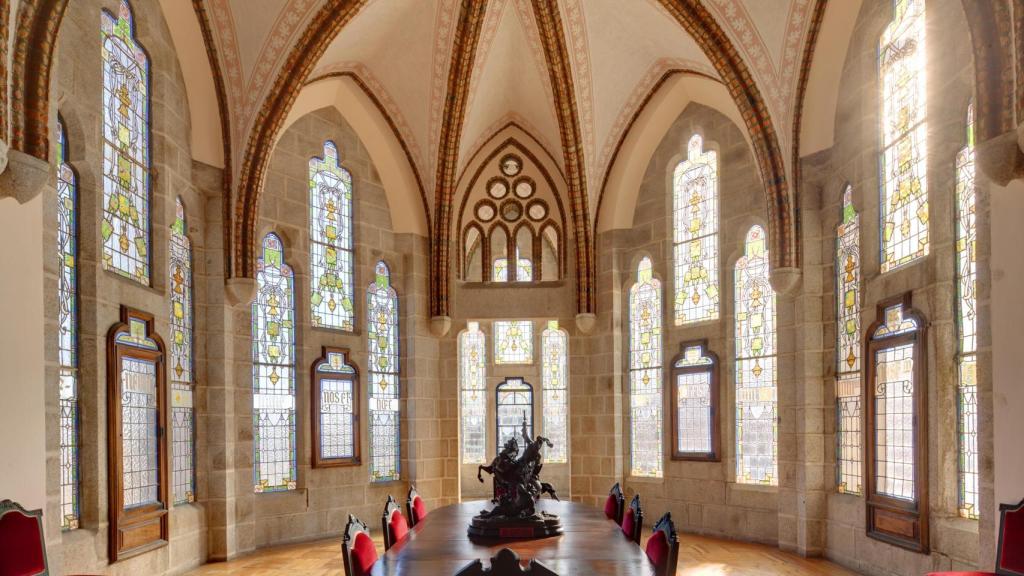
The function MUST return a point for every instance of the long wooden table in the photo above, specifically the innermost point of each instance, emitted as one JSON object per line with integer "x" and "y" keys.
{"x": 590, "y": 544}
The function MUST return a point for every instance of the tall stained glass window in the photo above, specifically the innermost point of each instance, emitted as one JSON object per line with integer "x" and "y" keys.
{"x": 473, "y": 390}
{"x": 181, "y": 367}
{"x": 904, "y": 210}
{"x": 967, "y": 323}
{"x": 695, "y": 236}
{"x": 645, "y": 388}
{"x": 514, "y": 408}
{"x": 382, "y": 331}
{"x": 756, "y": 393}
{"x": 330, "y": 233}
{"x": 273, "y": 364}
{"x": 513, "y": 342}
{"x": 126, "y": 147}
{"x": 335, "y": 410}
{"x": 555, "y": 391}
{"x": 694, "y": 389}
{"x": 848, "y": 349}
{"x": 67, "y": 335}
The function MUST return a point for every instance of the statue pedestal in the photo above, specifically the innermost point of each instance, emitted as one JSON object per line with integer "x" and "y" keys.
{"x": 540, "y": 525}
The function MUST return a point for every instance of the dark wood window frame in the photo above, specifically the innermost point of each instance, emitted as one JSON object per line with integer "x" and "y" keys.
{"x": 143, "y": 528}
{"x": 317, "y": 377}
{"x": 902, "y": 523}
{"x": 716, "y": 418}
{"x": 497, "y": 405}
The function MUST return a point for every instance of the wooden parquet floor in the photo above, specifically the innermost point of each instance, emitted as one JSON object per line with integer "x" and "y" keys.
{"x": 698, "y": 556}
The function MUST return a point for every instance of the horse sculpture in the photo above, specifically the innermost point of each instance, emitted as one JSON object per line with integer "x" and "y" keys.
{"x": 517, "y": 485}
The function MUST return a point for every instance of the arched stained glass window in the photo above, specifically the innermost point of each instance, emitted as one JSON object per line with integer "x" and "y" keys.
{"x": 645, "y": 386}
{"x": 335, "y": 410}
{"x": 555, "y": 391}
{"x": 848, "y": 349}
{"x": 181, "y": 366}
{"x": 473, "y": 390}
{"x": 756, "y": 394}
{"x": 514, "y": 406}
{"x": 695, "y": 412}
{"x": 67, "y": 336}
{"x": 126, "y": 148}
{"x": 330, "y": 232}
{"x": 273, "y": 358}
{"x": 695, "y": 234}
{"x": 382, "y": 331}
{"x": 904, "y": 210}
{"x": 967, "y": 323}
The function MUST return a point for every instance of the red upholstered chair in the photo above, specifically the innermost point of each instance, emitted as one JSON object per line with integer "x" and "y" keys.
{"x": 415, "y": 507}
{"x": 663, "y": 546}
{"x": 1010, "y": 554}
{"x": 357, "y": 548}
{"x": 633, "y": 520}
{"x": 394, "y": 523}
{"x": 615, "y": 503}
{"x": 22, "y": 548}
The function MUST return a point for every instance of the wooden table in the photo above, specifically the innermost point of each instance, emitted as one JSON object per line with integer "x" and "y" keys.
{"x": 590, "y": 544}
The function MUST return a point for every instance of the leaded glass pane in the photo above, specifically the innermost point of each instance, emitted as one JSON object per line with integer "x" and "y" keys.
{"x": 139, "y": 432}
{"x": 524, "y": 270}
{"x": 382, "y": 331}
{"x": 693, "y": 413}
{"x": 182, "y": 418}
{"x": 894, "y": 421}
{"x": 555, "y": 391}
{"x": 645, "y": 386}
{"x": 513, "y": 342}
{"x": 514, "y": 407}
{"x": 67, "y": 332}
{"x": 756, "y": 395}
{"x": 904, "y": 203}
{"x": 967, "y": 323}
{"x": 273, "y": 337}
{"x": 848, "y": 348}
{"x": 473, "y": 390}
{"x": 695, "y": 239}
{"x": 330, "y": 232}
{"x": 125, "y": 226}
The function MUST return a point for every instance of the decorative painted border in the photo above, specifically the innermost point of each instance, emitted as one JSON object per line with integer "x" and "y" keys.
{"x": 31, "y": 62}
{"x": 811, "y": 42}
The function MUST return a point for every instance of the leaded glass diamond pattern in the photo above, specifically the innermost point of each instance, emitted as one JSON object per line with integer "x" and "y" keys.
{"x": 645, "y": 363}
{"x": 473, "y": 391}
{"x": 695, "y": 238}
{"x": 382, "y": 332}
{"x": 330, "y": 230}
{"x": 139, "y": 432}
{"x": 555, "y": 391}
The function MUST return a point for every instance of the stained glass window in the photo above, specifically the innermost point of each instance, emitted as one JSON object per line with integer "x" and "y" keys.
{"x": 473, "y": 390}
{"x": 694, "y": 401}
{"x": 336, "y": 402}
{"x": 382, "y": 331}
{"x": 555, "y": 391}
{"x": 139, "y": 432}
{"x": 695, "y": 237}
{"x": 513, "y": 342}
{"x": 126, "y": 140}
{"x": 967, "y": 323}
{"x": 848, "y": 348}
{"x": 524, "y": 271}
{"x": 330, "y": 233}
{"x": 645, "y": 387}
{"x": 273, "y": 351}
{"x": 904, "y": 210}
{"x": 67, "y": 337}
{"x": 514, "y": 408}
{"x": 182, "y": 412}
{"x": 756, "y": 366}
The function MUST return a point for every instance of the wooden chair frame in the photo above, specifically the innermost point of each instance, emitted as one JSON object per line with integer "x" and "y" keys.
{"x": 665, "y": 524}
{"x": 352, "y": 529}
{"x": 12, "y": 507}
{"x": 620, "y": 502}
{"x": 638, "y": 516}
{"x": 391, "y": 508}
{"x": 1005, "y": 509}
{"x": 413, "y": 495}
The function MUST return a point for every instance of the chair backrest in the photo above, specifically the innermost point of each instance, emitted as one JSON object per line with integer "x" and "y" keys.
{"x": 633, "y": 520}
{"x": 357, "y": 549}
{"x": 394, "y": 524}
{"x": 1010, "y": 555}
{"x": 505, "y": 563}
{"x": 22, "y": 547}
{"x": 615, "y": 504}
{"x": 663, "y": 546}
{"x": 415, "y": 507}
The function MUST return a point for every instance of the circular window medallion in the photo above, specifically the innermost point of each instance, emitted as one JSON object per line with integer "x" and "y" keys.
{"x": 511, "y": 210}
{"x": 511, "y": 165}
{"x": 524, "y": 188}
{"x": 536, "y": 210}
{"x": 497, "y": 188}
{"x": 485, "y": 211}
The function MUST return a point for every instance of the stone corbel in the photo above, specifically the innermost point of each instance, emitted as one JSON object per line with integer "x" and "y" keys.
{"x": 440, "y": 325}
{"x": 1001, "y": 159}
{"x": 240, "y": 291}
{"x": 785, "y": 280}
{"x": 25, "y": 176}
{"x": 585, "y": 322}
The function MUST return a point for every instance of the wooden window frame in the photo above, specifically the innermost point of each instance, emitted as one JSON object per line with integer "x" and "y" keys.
{"x": 497, "y": 404}
{"x": 139, "y": 530}
{"x": 716, "y": 414}
{"x": 898, "y": 522}
{"x": 316, "y": 379}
